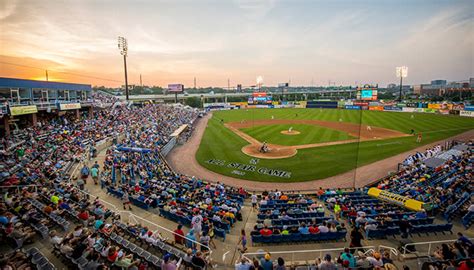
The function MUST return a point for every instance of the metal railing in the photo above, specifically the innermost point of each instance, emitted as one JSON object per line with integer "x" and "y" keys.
{"x": 158, "y": 228}
{"x": 406, "y": 252}
{"x": 303, "y": 255}
{"x": 129, "y": 217}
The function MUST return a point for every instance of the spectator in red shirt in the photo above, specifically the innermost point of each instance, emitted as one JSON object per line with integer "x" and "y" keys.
{"x": 352, "y": 213}
{"x": 137, "y": 188}
{"x": 112, "y": 255}
{"x": 313, "y": 229}
{"x": 83, "y": 215}
{"x": 179, "y": 235}
{"x": 266, "y": 231}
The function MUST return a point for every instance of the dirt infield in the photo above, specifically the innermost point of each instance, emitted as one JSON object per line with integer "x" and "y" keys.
{"x": 182, "y": 159}
{"x": 360, "y": 132}
{"x": 287, "y": 132}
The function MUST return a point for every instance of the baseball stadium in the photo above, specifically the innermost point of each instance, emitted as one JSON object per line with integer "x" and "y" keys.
{"x": 103, "y": 168}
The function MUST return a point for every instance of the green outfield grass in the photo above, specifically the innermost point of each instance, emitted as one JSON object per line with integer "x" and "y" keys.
{"x": 308, "y": 134}
{"x": 224, "y": 147}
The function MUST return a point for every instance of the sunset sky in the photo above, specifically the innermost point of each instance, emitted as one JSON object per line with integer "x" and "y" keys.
{"x": 174, "y": 41}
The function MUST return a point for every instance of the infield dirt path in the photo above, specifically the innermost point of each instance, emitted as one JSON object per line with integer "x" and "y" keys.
{"x": 182, "y": 159}
{"x": 361, "y": 132}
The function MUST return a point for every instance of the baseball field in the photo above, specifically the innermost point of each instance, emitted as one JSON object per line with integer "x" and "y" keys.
{"x": 310, "y": 144}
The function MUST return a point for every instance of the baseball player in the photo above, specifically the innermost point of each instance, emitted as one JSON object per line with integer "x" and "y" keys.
{"x": 418, "y": 138}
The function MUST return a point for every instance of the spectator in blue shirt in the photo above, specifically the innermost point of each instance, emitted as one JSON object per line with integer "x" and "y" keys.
{"x": 464, "y": 240}
{"x": 303, "y": 229}
{"x": 421, "y": 214}
{"x": 266, "y": 262}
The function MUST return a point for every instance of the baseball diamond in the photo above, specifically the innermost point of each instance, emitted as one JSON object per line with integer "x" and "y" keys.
{"x": 325, "y": 146}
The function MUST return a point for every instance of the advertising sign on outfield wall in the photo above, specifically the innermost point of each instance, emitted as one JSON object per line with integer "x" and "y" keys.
{"x": 434, "y": 106}
{"x": 426, "y": 110}
{"x": 443, "y": 111}
{"x": 469, "y": 108}
{"x": 300, "y": 104}
{"x": 375, "y": 108}
{"x": 458, "y": 107}
{"x": 466, "y": 113}
{"x": 391, "y": 108}
{"x": 352, "y": 107}
{"x": 361, "y": 103}
{"x": 409, "y": 109}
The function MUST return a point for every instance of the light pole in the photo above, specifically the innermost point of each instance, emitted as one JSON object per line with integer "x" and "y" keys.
{"x": 259, "y": 82}
{"x": 123, "y": 47}
{"x": 402, "y": 72}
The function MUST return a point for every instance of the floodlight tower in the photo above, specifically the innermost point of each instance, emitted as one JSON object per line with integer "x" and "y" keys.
{"x": 402, "y": 72}
{"x": 259, "y": 82}
{"x": 123, "y": 47}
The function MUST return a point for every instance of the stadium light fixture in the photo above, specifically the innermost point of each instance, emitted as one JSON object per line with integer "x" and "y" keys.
{"x": 123, "y": 47}
{"x": 402, "y": 72}
{"x": 259, "y": 82}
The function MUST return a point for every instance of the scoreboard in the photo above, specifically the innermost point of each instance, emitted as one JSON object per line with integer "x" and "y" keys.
{"x": 367, "y": 92}
{"x": 259, "y": 98}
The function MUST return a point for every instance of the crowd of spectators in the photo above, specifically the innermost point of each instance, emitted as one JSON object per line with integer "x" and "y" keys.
{"x": 42, "y": 156}
{"x": 103, "y": 100}
{"x": 344, "y": 260}
{"x": 446, "y": 188}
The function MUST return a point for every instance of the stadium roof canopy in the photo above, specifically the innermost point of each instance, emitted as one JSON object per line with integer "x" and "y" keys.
{"x": 21, "y": 83}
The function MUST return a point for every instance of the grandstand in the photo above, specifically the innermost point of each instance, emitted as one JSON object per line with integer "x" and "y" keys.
{"x": 93, "y": 189}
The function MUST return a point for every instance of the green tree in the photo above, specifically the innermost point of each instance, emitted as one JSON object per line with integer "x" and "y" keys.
{"x": 194, "y": 102}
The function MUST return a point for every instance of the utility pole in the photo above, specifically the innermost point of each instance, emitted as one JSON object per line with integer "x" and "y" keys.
{"x": 47, "y": 79}
{"x": 194, "y": 82}
{"x": 228, "y": 84}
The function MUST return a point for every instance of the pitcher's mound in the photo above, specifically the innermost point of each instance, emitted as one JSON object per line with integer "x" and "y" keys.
{"x": 274, "y": 153}
{"x": 293, "y": 132}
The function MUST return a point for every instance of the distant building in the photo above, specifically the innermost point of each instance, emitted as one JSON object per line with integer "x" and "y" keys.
{"x": 391, "y": 86}
{"x": 441, "y": 87}
{"x": 417, "y": 89}
{"x": 439, "y": 82}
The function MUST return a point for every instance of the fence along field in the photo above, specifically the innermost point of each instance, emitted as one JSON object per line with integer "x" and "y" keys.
{"x": 221, "y": 147}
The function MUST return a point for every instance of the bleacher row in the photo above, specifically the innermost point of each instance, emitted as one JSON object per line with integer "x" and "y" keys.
{"x": 119, "y": 194}
{"x": 220, "y": 228}
{"x": 38, "y": 259}
{"x": 428, "y": 184}
{"x": 295, "y": 215}
{"x": 125, "y": 239}
{"x": 385, "y": 227}
{"x": 298, "y": 237}
{"x": 148, "y": 160}
{"x": 416, "y": 229}
{"x": 63, "y": 223}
